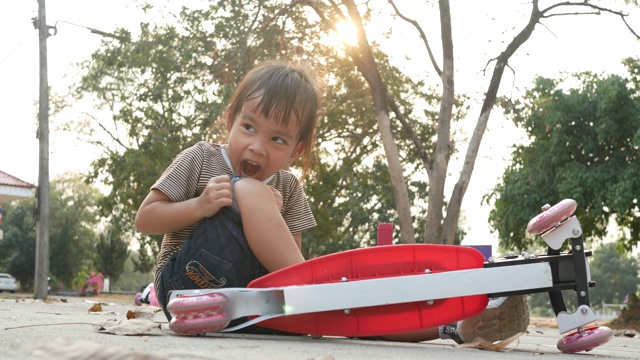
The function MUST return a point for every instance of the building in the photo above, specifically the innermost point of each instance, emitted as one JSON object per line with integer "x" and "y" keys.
{"x": 12, "y": 188}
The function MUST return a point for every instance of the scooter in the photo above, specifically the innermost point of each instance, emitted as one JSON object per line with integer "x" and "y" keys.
{"x": 401, "y": 288}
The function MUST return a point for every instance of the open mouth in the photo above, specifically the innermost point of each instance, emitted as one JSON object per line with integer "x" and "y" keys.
{"x": 249, "y": 169}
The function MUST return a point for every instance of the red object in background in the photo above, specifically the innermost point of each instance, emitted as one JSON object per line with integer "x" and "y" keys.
{"x": 385, "y": 234}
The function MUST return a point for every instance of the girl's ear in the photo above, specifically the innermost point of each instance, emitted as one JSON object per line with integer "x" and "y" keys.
{"x": 231, "y": 118}
{"x": 297, "y": 151}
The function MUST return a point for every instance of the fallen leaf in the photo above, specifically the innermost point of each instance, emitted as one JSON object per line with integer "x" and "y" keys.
{"x": 147, "y": 312}
{"x": 96, "y": 308}
{"x": 126, "y": 327}
{"x": 483, "y": 344}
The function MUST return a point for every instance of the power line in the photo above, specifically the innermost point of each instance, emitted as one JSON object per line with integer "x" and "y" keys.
{"x": 11, "y": 52}
{"x": 93, "y": 30}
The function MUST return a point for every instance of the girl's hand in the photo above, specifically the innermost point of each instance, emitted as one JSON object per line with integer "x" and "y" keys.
{"x": 277, "y": 196}
{"x": 216, "y": 195}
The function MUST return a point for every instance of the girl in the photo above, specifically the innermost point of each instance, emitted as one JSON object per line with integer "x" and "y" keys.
{"x": 230, "y": 213}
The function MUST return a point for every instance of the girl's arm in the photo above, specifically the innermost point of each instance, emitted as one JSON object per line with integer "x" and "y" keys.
{"x": 159, "y": 215}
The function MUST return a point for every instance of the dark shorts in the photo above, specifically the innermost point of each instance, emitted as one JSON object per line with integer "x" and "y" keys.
{"x": 216, "y": 255}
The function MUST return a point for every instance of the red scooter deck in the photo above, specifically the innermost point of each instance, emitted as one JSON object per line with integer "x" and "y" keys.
{"x": 371, "y": 263}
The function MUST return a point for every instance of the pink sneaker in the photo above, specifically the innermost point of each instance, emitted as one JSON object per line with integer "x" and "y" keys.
{"x": 153, "y": 300}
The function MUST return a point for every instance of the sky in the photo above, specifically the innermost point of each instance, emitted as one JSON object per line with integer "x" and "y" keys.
{"x": 567, "y": 44}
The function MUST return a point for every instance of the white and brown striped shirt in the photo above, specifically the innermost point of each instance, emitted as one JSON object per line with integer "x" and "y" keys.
{"x": 190, "y": 172}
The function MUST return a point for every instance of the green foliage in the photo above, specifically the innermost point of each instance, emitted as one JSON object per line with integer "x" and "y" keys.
{"x": 73, "y": 216}
{"x": 18, "y": 248}
{"x": 615, "y": 274}
{"x": 585, "y": 145}
{"x": 143, "y": 262}
{"x": 540, "y": 303}
{"x": 80, "y": 279}
{"x": 72, "y": 222}
{"x": 131, "y": 280}
{"x": 111, "y": 252}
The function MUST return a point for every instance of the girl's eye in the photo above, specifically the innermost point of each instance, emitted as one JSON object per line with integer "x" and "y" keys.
{"x": 248, "y": 127}
{"x": 278, "y": 140}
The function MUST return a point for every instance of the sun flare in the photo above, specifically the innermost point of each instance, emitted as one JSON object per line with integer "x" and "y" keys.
{"x": 346, "y": 32}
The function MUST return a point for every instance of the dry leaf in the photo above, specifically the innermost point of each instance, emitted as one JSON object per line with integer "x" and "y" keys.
{"x": 483, "y": 344}
{"x": 131, "y": 315}
{"x": 147, "y": 312}
{"x": 96, "y": 308}
{"x": 126, "y": 327}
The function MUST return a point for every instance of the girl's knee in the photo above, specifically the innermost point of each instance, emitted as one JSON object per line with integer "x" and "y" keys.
{"x": 250, "y": 192}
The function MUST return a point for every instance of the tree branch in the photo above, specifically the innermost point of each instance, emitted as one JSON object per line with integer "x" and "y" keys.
{"x": 422, "y": 152}
{"x": 423, "y": 36}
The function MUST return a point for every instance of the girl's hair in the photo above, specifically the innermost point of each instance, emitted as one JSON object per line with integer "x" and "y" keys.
{"x": 284, "y": 89}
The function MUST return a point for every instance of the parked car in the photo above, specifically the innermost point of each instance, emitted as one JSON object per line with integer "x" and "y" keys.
{"x": 7, "y": 283}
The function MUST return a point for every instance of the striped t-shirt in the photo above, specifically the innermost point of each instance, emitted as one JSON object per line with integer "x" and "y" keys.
{"x": 190, "y": 172}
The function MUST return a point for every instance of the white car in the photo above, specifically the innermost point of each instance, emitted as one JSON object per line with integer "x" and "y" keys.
{"x": 7, "y": 283}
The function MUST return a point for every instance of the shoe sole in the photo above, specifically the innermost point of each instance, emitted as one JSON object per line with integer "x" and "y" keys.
{"x": 499, "y": 323}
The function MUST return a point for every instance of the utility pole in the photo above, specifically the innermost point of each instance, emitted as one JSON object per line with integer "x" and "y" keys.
{"x": 42, "y": 197}
{"x": 42, "y": 200}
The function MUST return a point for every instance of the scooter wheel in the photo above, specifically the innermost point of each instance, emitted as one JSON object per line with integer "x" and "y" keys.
{"x": 199, "y": 324}
{"x": 210, "y": 303}
{"x": 585, "y": 339}
{"x": 552, "y": 216}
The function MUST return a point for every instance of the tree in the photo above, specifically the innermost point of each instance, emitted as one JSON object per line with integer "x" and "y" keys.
{"x": 439, "y": 229}
{"x": 169, "y": 85}
{"x": 132, "y": 280}
{"x": 143, "y": 263}
{"x": 616, "y": 275}
{"x": 74, "y": 217}
{"x": 584, "y": 146}
{"x": 111, "y": 253}
{"x": 18, "y": 248}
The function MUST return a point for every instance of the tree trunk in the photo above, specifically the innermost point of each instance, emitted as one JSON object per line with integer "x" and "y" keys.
{"x": 365, "y": 62}
{"x": 453, "y": 211}
{"x": 438, "y": 171}
{"x": 362, "y": 57}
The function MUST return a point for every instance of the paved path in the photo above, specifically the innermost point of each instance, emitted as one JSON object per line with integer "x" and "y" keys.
{"x": 57, "y": 329}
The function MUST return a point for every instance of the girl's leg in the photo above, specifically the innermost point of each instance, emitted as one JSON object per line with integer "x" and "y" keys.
{"x": 226, "y": 250}
{"x": 215, "y": 256}
{"x": 266, "y": 231}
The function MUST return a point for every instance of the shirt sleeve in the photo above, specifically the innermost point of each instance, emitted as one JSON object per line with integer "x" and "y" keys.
{"x": 180, "y": 180}
{"x": 297, "y": 212}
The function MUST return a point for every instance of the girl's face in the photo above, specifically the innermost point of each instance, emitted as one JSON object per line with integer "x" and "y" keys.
{"x": 259, "y": 146}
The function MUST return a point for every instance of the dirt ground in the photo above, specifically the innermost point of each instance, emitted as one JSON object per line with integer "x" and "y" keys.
{"x": 629, "y": 319}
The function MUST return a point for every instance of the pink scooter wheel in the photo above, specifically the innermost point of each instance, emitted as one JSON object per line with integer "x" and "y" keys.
{"x": 551, "y": 217}
{"x": 585, "y": 340}
{"x": 193, "y": 325}
{"x": 192, "y": 305}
